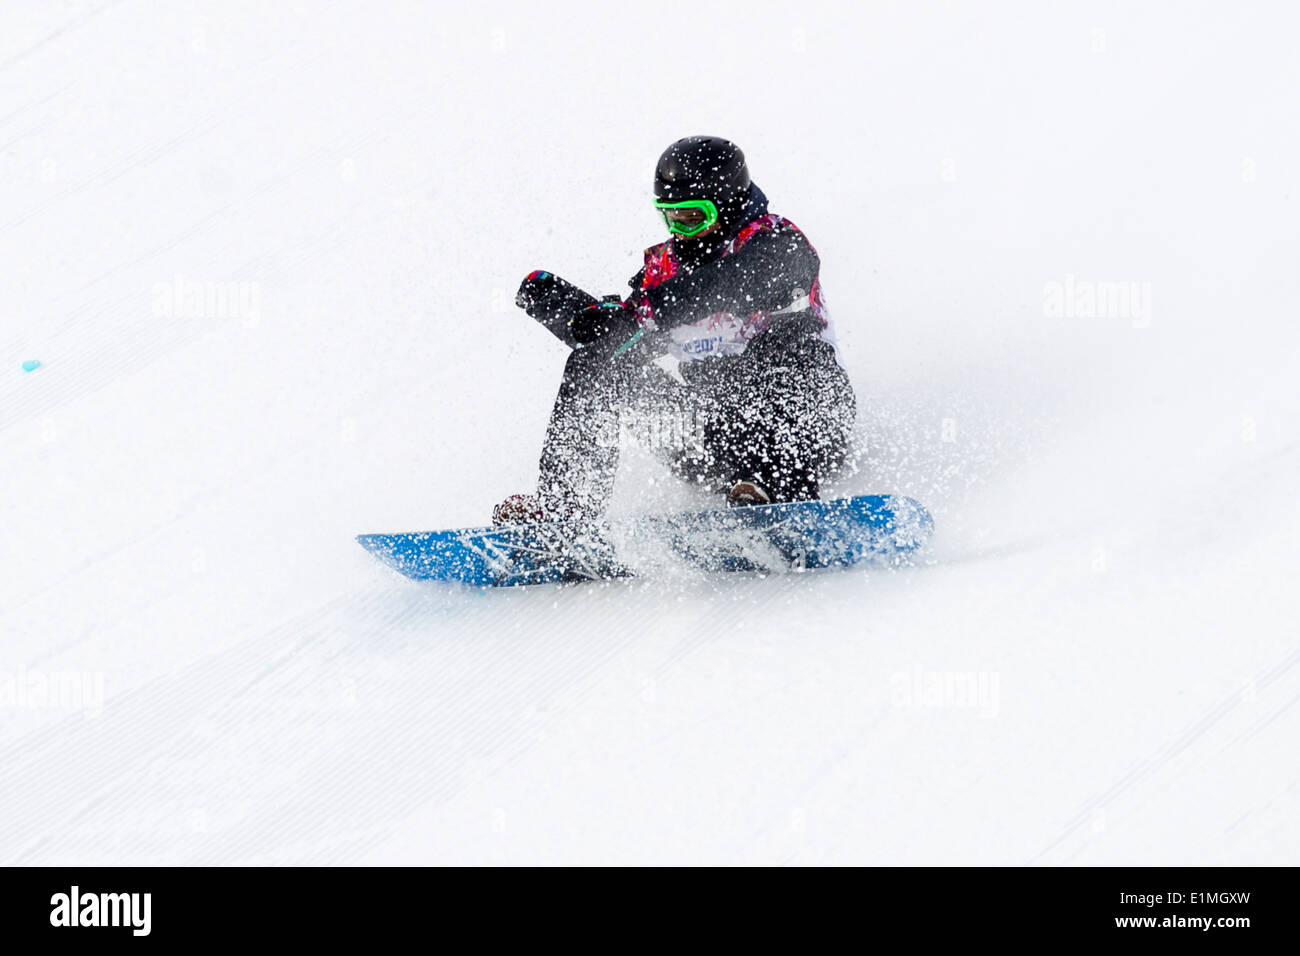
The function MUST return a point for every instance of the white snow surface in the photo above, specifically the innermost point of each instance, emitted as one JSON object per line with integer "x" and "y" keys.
{"x": 1114, "y": 565}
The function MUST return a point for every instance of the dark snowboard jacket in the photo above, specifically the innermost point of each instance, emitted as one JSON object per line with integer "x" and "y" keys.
{"x": 712, "y": 296}
{"x": 699, "y": 299}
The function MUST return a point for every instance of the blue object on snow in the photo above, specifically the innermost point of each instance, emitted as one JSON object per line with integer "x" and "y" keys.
{"x": 794, "y": 536}
{"x": 31, "y": 365}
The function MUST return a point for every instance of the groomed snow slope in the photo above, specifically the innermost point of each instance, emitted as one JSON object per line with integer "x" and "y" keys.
{"x": 1115, "y": 496}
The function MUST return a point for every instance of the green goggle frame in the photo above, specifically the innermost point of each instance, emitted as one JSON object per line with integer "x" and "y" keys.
{"x": 679, "y": 228}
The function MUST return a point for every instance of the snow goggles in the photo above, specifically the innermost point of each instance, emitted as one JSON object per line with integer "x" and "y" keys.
{"x": 690, "y": 217}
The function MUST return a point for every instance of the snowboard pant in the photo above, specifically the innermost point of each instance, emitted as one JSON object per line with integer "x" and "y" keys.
{"x": 780, "y": 413}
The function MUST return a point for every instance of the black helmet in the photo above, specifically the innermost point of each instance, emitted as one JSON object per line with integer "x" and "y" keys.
{"x": 702, "y": 167}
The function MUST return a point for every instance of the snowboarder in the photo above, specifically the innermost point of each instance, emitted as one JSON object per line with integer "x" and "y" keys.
{"x": 721, "y": 359}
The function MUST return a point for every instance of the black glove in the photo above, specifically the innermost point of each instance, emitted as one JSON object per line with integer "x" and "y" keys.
{"x": 609, "y": 317}
{"x": 552, "y": 301}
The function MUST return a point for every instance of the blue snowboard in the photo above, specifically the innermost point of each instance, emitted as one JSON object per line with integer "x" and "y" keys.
{"x": 778, "y": 538}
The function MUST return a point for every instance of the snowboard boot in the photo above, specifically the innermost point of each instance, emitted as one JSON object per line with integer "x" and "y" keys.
{"x": 519, "y": 509}
{"x": 529, "y": 509}
{"x": 744, "y": 493}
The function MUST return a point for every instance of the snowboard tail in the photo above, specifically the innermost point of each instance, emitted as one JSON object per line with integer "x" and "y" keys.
{"x": 783, "y": 537}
